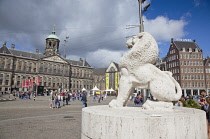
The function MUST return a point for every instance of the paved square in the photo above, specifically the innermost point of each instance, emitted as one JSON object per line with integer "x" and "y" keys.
{"x": 28, "y": 119}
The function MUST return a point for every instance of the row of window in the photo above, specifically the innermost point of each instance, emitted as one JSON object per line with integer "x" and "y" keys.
{"x": 174, "y": 71}
{"x": 176, "y": 77}
{"x": 173, "y": 57}
{"x": 173, "y": 64}
{"x": 192, "y": 84}
{"x": 208, "y": 84}
{"x": 191, "y": 56}
{"x": 172, "y": 51}
{"x": 207, "y": 77}
{"x": 81, "y": 72}
{"x": 192, "y": 77}
{"x": 192, "y": 70}
{"x": 191, "y": 63}
{"x": 207, "y": 70}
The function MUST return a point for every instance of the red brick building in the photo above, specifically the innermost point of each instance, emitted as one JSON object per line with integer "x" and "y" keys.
{"x": 207, "y": 73}
{"x": 185, "y": 60}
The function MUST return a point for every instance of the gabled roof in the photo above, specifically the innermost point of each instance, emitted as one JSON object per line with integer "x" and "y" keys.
{"x": 5, "y": 50}
{"x": 113, "y": 65}
{"x": 99, "y": 71}
{"x": 206, "y": 61}
{"x": 180, "y": 45}
{"x": 117, "y": 65}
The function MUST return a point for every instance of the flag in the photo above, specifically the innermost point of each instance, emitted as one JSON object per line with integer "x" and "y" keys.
{"x": 37, "y": 81}
{"x": 23, "y": 84}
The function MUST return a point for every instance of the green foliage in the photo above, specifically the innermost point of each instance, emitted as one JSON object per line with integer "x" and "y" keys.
{"x": 191, "y": 104}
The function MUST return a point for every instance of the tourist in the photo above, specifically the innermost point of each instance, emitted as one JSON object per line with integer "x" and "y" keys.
{"x": 57, "y": 103}
{"x": 84, "y": 99}
{"x": 72, "y": 96}
{"x": 138, "y": 100}
{"x": 179, "y": 103}
{"x": 94, "y": 98}
{"x": 75, "y": 96}
{"x": 105, "y": 97}
{"x": 207, "y": 100}
{"x": 99, "y": 98}
{"x": 64, "y": 98}
{"x": 67, "y": 98}
{"x": 203, "y": 94}
{"x": 52, "y": 100}
{"x": 34, "y": 96}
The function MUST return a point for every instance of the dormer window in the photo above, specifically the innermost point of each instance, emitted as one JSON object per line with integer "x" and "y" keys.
{"x": 196, "y": 49}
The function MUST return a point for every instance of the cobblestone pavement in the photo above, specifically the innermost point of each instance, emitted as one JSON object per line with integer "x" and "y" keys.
{"x": 29, "y": 119}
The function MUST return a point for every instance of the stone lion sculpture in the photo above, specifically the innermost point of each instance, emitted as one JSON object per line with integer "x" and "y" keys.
{"x": 137, "y": 71}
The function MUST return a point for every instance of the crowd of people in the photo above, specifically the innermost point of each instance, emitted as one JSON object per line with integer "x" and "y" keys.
{"x": 99, "y": 97}
{"x": 61, "y": 99}
{"x": 20, "y": 94}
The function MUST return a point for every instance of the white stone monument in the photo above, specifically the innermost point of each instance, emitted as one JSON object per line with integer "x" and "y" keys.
{"x": 156, "y": 119}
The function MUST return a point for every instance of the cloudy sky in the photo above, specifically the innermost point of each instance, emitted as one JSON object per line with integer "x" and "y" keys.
{"x": 97, "y": 28}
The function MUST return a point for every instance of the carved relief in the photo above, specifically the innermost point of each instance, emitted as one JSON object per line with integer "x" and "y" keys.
{"x": 55, "y": 59}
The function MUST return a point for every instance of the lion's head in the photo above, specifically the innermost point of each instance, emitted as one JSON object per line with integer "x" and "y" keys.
{"x": 143, "y": 49}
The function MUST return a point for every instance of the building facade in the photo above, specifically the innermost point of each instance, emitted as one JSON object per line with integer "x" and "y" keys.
{"x": 161, "y": 63}
{"x": 54, "y": 71}
{"x": 207, "y": 74}
{"x": 112, "y": 76}
{"x": 99, "y": 78}
{"x": 185, "y": 61}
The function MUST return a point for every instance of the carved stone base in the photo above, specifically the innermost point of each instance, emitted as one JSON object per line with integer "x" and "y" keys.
{"x": 103, "y": 122}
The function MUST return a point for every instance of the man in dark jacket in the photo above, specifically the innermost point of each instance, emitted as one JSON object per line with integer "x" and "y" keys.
{"x": 84, "y": 99}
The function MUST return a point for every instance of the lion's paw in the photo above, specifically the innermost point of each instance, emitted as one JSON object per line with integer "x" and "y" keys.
{"x": 113, "y": 103}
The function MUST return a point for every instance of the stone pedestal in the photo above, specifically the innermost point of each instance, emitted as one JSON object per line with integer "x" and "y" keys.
{"x": 102, "y": 122}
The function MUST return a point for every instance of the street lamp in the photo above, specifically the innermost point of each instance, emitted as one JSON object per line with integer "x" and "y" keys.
{"x": 65, "y": 41}
{"x": 141, "y": 26}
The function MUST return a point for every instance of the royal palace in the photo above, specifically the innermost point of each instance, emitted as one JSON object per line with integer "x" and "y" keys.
{"x": 49, "y": 70}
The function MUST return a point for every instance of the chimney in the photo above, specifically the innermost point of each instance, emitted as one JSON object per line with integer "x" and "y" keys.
{"x": 37, "y": 51}
{"x": 13, "y": 46}
{"x": 194, "y": 40}
{"x": 172, "y": 39}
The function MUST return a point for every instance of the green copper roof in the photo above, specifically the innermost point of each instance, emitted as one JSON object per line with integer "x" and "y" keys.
{"x": 52, "y": 36}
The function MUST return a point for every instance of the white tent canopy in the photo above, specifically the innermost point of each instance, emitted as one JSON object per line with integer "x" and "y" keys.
{"x": 83, "y": 89}
{"x": 111, "y": 89}
{"x": 95, "y": 89}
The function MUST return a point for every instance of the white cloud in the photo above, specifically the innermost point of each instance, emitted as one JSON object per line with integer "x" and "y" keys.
{"x": 196, "y": 3}
{"x": 102, "y": 57}
{"x": 163, "y": 28}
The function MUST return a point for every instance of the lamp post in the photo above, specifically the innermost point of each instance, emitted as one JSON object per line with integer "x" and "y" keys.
{"x": 141, "y": 26}
{"x": 65, "y": 41}
{"x": 141, "y": 29}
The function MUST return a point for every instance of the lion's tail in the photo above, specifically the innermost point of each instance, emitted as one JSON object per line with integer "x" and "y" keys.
{"x": 178, "y": 89}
